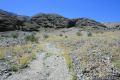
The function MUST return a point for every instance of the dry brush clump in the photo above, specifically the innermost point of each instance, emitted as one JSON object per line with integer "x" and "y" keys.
{"x": 31, "y": 38}
{"x": 18, "y": 56}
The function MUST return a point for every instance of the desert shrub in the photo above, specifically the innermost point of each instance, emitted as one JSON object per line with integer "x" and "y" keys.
{"x": 14, "y": 67}
{"x": 116, "y": 27}
{"x": 31, "y": 38}
{"x": 78, "y": 34}
{"x": 19, "y": 55}
{"x": 4, "y": 35}
{"x": 66, "y": 36}
{"x": 116, "y": 63}
{"x": 47, "y": 55}
{"x": 0, "y": 37}
{"x": 89, "y": 34}
{"x": 46, "y": 36}
{"x": 30, "y": 26}
{"x": 21, "y": 62}
{"x": 61, "y": 35}
{"x": 24, "y": 60}
{"x": 14, "y": 35}
{"x": 115, "y": 50}
{"x": 74, "y": 77}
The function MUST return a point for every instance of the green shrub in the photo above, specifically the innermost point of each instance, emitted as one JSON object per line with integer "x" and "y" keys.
{"x": 66, "y": 36}
{"x": 89, "y": 34}
{"x": 61, "y": 35}
{"x": 14, "y": 67}
{"x": 47, "y": 55}
{"x": 14, "y": 35}
{"x": 116, "y": 63}
{"x": 78, "y": 34}
{"x": 31, "y": 38}
{"x": 74, "y": 77}
{"x": 46, "y": 36}
{"x": 116, "y": 27}
{"x": 4, "y": 35}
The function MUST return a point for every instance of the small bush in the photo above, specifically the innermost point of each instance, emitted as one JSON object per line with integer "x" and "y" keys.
{"x": 47, "y": 55}
{"x": 3, "y": 35}
{"x": 78, "y": 34}
{"x": 24, "y": 60}
{"x": 61, "y": 35}
{"x": 66, "y": 36}
{"x": 89, "y": 34}
{"x": 116, "y": 63}
{"x": 14, "y": 35}
{"x": 14, "y": 67}
{"x": 46, "y": 36}
{"x": 74, "y": 77}
{"x": 31, "y": 38}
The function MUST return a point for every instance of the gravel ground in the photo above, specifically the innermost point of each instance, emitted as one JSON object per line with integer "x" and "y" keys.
{"x": 50, "y": 68}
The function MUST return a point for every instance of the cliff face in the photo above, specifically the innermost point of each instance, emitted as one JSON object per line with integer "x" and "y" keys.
{"x": 10, "y": 21}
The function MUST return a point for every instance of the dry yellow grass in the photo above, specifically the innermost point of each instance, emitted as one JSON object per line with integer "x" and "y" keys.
{"x": 21, "y": 54}
{"x": 101, "y": 46}
{"x": 2, "y": 53}
{"x": 67, "y": 57}
{"x": 24, "y": 59}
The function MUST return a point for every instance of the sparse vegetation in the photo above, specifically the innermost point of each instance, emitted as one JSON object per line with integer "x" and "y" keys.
{"x": 24, "y": 60}
{"x": 67, "y": 58}
{"x": 61, "y": 35}
{"x": 66, "y": 36}
{"x": 83, "y": 54}
{"x": 89, "y": 34}
{"x": 47, "y": 55}
{"x": 116, "y": 63}
{"x": 74, "y": 77}
{"x": 46, "y": 36}
{"x": 14, "y": 35}
{"x": 79, "y": 34}
{"x": 31, "y": 38}
{"x": 19, "y": 55}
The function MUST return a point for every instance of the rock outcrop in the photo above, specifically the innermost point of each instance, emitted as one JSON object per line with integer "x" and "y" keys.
{"x": 88, "y": 23}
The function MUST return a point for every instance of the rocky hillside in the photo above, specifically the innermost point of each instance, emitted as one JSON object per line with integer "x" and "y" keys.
{"x": 112, "y": 24}
{"x": 10, "y": 21}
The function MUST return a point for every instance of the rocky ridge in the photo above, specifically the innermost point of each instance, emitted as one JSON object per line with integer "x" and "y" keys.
{"x": 10, "y": 21}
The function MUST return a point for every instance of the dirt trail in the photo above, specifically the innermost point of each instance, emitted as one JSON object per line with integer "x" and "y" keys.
{"x": 52, "y": 67}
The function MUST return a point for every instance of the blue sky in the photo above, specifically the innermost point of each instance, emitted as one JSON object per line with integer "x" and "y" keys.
{"x": 100, "y": 10}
